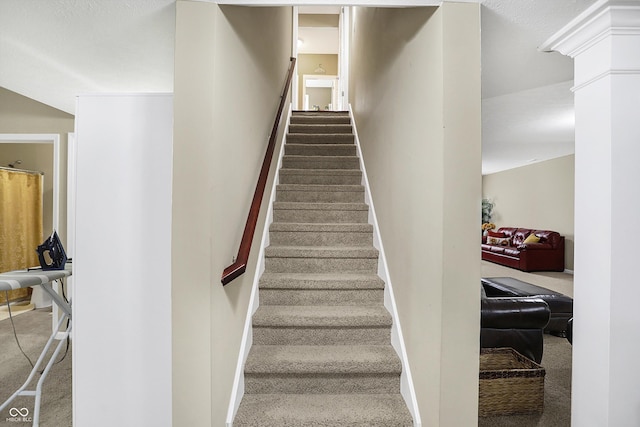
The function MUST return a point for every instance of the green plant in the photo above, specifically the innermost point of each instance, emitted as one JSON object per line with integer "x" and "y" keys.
{"x": 487, "y": 209}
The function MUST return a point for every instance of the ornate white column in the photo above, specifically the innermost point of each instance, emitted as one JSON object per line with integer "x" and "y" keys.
{"x": 605, "y": 44}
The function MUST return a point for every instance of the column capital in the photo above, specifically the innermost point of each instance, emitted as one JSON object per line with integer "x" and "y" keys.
{"x": 603, "y": 19}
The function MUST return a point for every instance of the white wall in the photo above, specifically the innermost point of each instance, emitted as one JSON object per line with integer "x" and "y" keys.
{"x": 230, "y": 68}
{"x": 604, "y": 43}
{"x": 122, "y": 268}
{"x": 415, "y": 90}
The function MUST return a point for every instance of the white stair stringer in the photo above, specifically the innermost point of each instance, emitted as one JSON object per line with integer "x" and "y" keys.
{"x": 407, "y": 389}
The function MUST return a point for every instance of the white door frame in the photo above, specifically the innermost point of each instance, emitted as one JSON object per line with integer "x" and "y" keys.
{"x": 294, "y": 52}
{"x": 343, "y": 59}
{"x": 44, "y": 138}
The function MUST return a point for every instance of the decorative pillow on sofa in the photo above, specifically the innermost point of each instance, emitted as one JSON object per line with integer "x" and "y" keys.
{"x": 500, "y": 241}
{"x": 531, "y": 238}
{"x": 496, "y": 234}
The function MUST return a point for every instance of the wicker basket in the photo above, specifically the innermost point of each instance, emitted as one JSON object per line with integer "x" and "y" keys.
{"x": 509, "y": 383}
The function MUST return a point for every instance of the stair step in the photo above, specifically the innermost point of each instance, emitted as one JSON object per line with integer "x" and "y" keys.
{"x": 310, "y": 259}
{"x": 320, "y": 289}
{"x": 320, "y": 128}
{"x": 320, "y": 212}
{"x": 326, "y": 118}
{"x": 320, "y": 149}
{"x": 322, "y": 138}
{"x": 321, "y": 325}
{"x": 363, "y": 410}
{"x": 320, "y": 281}
{"x": 319, "y": 234}
{"x": 322, "y": 316}
{"x": 320, "y": 193}
{"x": 322, "y": 369}
{"x": 346, "y": 252}
{"x": 320, "y": 162}
{"x": 321, "y": 176}
{"x": 313, "y": 113}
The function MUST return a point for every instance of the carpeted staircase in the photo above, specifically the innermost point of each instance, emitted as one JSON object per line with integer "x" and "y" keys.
{"x": 321, "y": 353}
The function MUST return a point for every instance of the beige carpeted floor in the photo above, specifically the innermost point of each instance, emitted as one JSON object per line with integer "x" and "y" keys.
{"x": 556, "y": 359}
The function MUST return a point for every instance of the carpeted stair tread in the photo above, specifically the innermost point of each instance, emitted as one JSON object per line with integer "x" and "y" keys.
{"x": 322, "y": 316}
{"x": 320, "y": 138}
{"x": 325, "y": 160}
{"x": 323, "y": 410}
{"x": 320, "y": 193}
{"x": 320, "y": 149}
{"x": 321, "y": 252}
{"x": 321, "y": 172}
{"x": 320, "y": 162}
{"x": 332, "y": 172}
{"x": 322, "y": 227}
{"x": 322, "y": 359}
{"x": 315, "y": 113}
{"x": 320, "y": 281}
{"x": 321, "y": 206}
{"x": 320, "y": 187}
{"x": 320, "y": 128}
{"x": 320, "y": 234}
{"x": 320, "y": 212}
{"x": 333, "y": 119}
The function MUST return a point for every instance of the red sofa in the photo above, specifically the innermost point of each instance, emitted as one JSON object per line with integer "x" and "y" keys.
{"x": 511, "y": 251}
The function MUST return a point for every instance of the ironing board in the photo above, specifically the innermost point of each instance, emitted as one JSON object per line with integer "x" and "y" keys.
{"x": 38, "y": 277}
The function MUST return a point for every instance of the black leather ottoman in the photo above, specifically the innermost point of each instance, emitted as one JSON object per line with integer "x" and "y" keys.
{"x": 561, "y": 306}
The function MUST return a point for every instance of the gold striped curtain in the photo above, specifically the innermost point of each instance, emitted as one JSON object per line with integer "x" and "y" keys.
{"x": 20, "y": 223}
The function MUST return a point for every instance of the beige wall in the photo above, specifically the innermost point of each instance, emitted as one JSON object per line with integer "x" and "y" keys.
{"x": 19, "y": 115}
{"x": 230, "y": 67}
{"x": 307, "y": 64}
{"x": 415, "y": 90}
{"x": 536, "y": 196}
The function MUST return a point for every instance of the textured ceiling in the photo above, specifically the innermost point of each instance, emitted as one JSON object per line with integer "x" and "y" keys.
{"x": 52, "y": 50}
{"x": 527, "y": 104}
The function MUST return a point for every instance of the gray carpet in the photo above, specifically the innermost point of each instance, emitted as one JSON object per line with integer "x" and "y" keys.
{"x": 33, "y": 330}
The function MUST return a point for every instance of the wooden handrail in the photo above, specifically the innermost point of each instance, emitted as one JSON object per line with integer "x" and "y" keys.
{"x": 240, "y": 264}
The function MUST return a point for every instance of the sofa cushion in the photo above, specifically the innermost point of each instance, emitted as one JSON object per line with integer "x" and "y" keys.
{"x": 500, "y": 241}
{"x": 520, "y": 235}
{"x": 531, "y": 238}
{"x": 512, "y": 252}
{"x": 492, "y": 233}
{"x": 551, "y": 237}
{"x": 497, "y": 249}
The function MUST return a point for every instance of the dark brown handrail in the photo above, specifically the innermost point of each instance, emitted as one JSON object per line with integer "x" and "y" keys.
{"x": 240, "y": 264}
